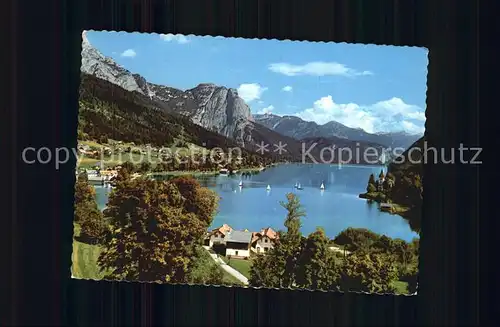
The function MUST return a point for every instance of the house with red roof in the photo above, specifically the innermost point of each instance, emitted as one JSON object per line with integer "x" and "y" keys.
{"x": 264, "y": 240}
{"x": 218, "y": 235}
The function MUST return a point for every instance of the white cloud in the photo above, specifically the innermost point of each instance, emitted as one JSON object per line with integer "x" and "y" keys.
{"x": 179, "y": 38}
{"x": 250, "y": 92}
{"x": 391, "y": 115}
{"x": 266, "y": 110}
{"x": 316, "y": 68}
{"x": 129, "y": 53}
{"x": 287, "y": 88}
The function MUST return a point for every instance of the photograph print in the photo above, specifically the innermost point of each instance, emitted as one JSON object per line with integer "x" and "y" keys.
{"x": 249, "y": 163}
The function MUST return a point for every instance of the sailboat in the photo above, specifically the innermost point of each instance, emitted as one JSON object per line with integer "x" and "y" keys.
{"x": 322, "y": 187}
{"x": 268, "y": 188}
{"x": 299, "y": 187}
{"x": 296, "y": 184}
{"x": 240, "y": 184}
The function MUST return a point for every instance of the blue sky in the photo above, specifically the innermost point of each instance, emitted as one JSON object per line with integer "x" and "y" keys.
{"x": 377, "y": 88}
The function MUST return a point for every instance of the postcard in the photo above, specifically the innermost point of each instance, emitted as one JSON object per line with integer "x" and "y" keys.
{"x": 249, "y": 163}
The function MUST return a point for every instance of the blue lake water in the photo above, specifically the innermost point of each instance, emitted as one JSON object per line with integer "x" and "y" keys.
{"x": 335, "y": 209}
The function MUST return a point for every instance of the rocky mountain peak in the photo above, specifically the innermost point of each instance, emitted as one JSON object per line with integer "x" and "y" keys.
{"x": 96, "y": 64}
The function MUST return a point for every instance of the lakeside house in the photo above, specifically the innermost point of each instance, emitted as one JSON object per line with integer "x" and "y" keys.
{"x": 218, "y": 235}
{"x": 238, "y": 244}
{"x": 264, "y": 240}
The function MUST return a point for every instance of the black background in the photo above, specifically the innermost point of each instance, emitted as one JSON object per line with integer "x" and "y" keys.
{"x": 43, "y": 44}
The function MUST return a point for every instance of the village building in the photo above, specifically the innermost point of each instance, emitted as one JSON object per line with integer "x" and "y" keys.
{"x": 218, "y": 235}
{"x": 264, "y": 240}
{"x": 235, "y": 243}
{"x": 238, "y": 244}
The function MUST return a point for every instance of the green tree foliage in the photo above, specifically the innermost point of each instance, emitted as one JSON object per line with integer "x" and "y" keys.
{"x": 356, "y": 238}
{"x": 278, "y": 267}
{"x": 154, "y": 232}
{"x": 204, "y": 270}
{"x": 129, "y": 167}
{"x": 84, "y": 195}
{"x": 373, "y": 265}
{"x": 371, "y": 186}
{"x": 201, "y": 201}
{"x": 161, "y": 167}
{"x": 87, "y": 214}
{"x": 381, "y": 175}
{"x": 145, "y": 167}
{"x": 291, "y": 241}
{"x": 368, "y": 272}
{"x": 316, "y": 267}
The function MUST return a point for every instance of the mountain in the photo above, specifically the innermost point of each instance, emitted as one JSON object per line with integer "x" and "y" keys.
{"x": 108, "y": 110}
{"x": 117, "y": 102}
{"x": 216, "y": 108}
{"x": 300, "y": 129}
{"x": 345, "y": 150}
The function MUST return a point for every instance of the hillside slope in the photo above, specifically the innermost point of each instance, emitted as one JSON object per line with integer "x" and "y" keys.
{"x": 107, "y": 110}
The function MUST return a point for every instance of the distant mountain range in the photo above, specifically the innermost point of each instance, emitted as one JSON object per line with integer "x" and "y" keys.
{"x": 220, "y": 112}
{"x": 300, "y": 129}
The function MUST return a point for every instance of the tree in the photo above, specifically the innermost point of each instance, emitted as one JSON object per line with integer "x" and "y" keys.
{"x": 93, "y": 227}
{"x": 266, "y": 270}
{"x": 200, "y": 201}
{"x": 153, "y": 234}
{"x": 84, "y": 196}
{"x": 316, "y": 268}
{"x": 371, "y": 180}
{"x": 145, "y": 167}
{"x": 161, "y": 166}
{"x": 411, "y": 277}
{"x": 278, "y": 267}
{"x": 356, "y": 238}
{"x": 368, "y": 273}
{"x": 129, "y": 167}
{"x": 381, "y": 175}
{"x": 87, "y": 213}
{"x": 289, "y": 244}
{"x": 371, "y": 188}
{"x": 204, "y": 270}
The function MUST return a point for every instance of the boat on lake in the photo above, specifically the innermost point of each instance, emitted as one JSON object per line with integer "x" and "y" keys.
{"x": 299, "y": 187}
{"x": 268, "y": 187}
{"x": 322, "y": 187}
{"x": 240, "y": 184}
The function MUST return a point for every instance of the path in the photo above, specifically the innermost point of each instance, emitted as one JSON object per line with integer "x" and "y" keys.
{"x": 235, "y": 273}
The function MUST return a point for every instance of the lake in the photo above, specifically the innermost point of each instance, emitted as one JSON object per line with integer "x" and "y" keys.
{"x": 336, "y": 208}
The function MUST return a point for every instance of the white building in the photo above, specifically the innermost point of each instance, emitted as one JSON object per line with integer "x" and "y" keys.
{"x": 264, "y": 240}
{"x": 218, "y": 235}
{"x": 238, "y": 244}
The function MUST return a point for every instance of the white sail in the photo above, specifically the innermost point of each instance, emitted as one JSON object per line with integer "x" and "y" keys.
{"x": 268, "y": 187}
{"x": 241, "y": 183}
{"x": 322, "y": 186}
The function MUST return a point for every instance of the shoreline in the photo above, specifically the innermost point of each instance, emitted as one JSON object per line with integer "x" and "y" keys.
{"x": 389, "y": 207}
